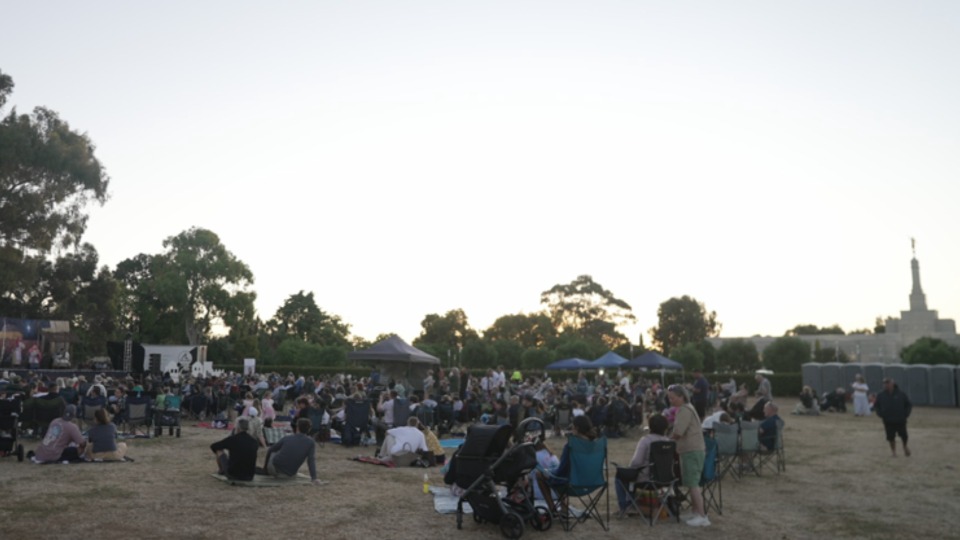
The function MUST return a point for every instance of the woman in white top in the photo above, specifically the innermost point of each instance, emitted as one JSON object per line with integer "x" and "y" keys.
{"x": 861, "y": 407}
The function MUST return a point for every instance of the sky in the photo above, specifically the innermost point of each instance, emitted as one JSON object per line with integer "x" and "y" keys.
{"x": 770, "y": 159}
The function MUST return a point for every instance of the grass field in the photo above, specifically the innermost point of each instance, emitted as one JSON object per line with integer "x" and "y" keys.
{"x": 840, "y": 483}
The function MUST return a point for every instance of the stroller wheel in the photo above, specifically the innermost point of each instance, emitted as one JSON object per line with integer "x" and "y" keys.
{"x": 477, "y": 518}
{"x": 541, "y": 520}
{"x": 511, "y": 525}
{"x": 19, "y": 452}
{"x": 178, "y": 433}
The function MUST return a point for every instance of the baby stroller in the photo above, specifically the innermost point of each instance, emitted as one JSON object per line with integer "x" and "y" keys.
{"x": 10, "y": 410}
{"x": 485, "y": 462}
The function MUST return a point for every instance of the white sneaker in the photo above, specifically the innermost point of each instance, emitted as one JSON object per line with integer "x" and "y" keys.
{"x": 698, "y": 521}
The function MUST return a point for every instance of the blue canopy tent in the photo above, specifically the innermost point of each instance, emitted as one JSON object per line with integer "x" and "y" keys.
{"x": 653, "y": 361}
{"x": 569, "y": 363}
{"x": 609, "y": 360}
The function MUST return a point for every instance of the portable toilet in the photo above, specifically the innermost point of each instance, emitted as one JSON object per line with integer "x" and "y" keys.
{"x": 918, "y": 384}
{"x": 811, "y": 376}
{"x": 897, "y": 372}
{"x": 943, "y": 390}
{"x": 848, "y": 372}
{"x": 873, "y": 376}
{"x": 830, "y": 377}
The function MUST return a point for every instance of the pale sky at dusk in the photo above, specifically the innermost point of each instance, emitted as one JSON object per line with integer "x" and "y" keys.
{"x": 770, "y": 159}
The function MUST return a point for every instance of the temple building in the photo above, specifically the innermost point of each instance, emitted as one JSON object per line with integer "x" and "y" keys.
{"x": 917, "y": 322}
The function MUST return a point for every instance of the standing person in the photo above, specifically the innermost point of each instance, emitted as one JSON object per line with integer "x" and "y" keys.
{"x": 861, "y": 407}
{"x": 701, "y": 391}
{"x": 894, "y": 407}
{"x": 692, "y": 450}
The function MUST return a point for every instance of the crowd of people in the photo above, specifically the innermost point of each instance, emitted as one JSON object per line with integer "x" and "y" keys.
{"x": 592, "y": 404}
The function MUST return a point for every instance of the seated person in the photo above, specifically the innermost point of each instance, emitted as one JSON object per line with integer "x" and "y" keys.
{"x": 286, "y": 456}
{"x": 63, "y": 440}
{"x": 581, "y": 427}
{"x": 641, "y": 456}
{"x": 102, "y": 440}
{"x": 835, "y": 401}
{"x": 768, "y": 428}
{"x": 237, "y": 454}
{"x": 436, "y": 455}
{"x": 546, "y": 461}
{"x": 403, "y": 443}
{"x": 808, "y": 402}
{"x": 721, "y": 415}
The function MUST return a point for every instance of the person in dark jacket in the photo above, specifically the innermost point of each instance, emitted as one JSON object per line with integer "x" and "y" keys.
{"x": 894, "y": 407}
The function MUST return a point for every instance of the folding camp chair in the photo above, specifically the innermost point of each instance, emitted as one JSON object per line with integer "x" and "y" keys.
{"x": 401, "y": 412}
{"x": 710, "y": 480}
{"x": 356, "y": 422}
{"x": 586, "y": 483}
{"x": 727, "y": 437}
{"x": 773, "y": 458}
{"x": 663, "y": 478}
{"x": 562, "y": 418}
{"x": 749, "y": 446}
{"x": 624, "y": 480}
{"x": 88, "y": 408}
{"x": 138, "y": 413}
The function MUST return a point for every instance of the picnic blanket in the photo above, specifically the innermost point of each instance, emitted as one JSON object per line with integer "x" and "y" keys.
{"x": 80, "y": 462}
{"x": 210, "y": 425}
{"x": 263, "y": 480}
{"x": 451, "y": 443}
{"x": 373, "y": 461}
{"x": 445, "y": 502}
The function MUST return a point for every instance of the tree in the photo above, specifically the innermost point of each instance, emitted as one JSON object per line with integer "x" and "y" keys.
{"x": 932, "y": 351}
{"x": 709, "y": 356}
{"x": 527, "y": 330}
{"x": 48, "y": 175}
{"x": 450, "y": 331}
{"x": 195, "y": 285}
{"x": 478, "y": 354}
{"x": 786, "y": 355}
{"x": 814, "y": 330}
{"x": 585, "y": 308}
{"x": 738, "y": 356}
{"x": 536, "y": 358}
{"x": 879, "y": 326}
{"x": 688, "y": 354}
{"x": 142, "y": 310}
{"x": 683, "y": 320}
{"x": 299, "y": 317}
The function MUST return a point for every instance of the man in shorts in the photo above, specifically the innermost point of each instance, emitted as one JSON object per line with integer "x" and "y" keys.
{"x": 894, "y": 407}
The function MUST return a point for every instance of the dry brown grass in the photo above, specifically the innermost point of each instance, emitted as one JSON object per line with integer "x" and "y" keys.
{"x": 840, "y": 483}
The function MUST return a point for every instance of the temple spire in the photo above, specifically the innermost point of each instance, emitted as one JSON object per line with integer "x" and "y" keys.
{"x": 918, "y": 301}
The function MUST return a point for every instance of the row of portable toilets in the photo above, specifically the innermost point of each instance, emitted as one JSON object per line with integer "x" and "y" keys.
{"x": 924, "y": 384}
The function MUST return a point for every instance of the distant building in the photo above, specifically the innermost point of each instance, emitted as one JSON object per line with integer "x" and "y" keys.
{"x": 885, "y": 348}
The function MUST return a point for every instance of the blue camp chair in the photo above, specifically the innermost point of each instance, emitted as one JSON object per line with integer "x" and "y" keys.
{"x": 710, "y": 478}
{"x": 584, "y": 479}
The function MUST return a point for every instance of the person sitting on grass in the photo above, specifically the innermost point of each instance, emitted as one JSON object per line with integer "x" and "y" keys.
{"x": 286, "y": 456}
{"x": 436, "y": 456}
{"x": 102, "y": 440}
{"x": 237, "y": 454}
{"x": 63, "y": 440}
{"x": 403, "y": 444}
